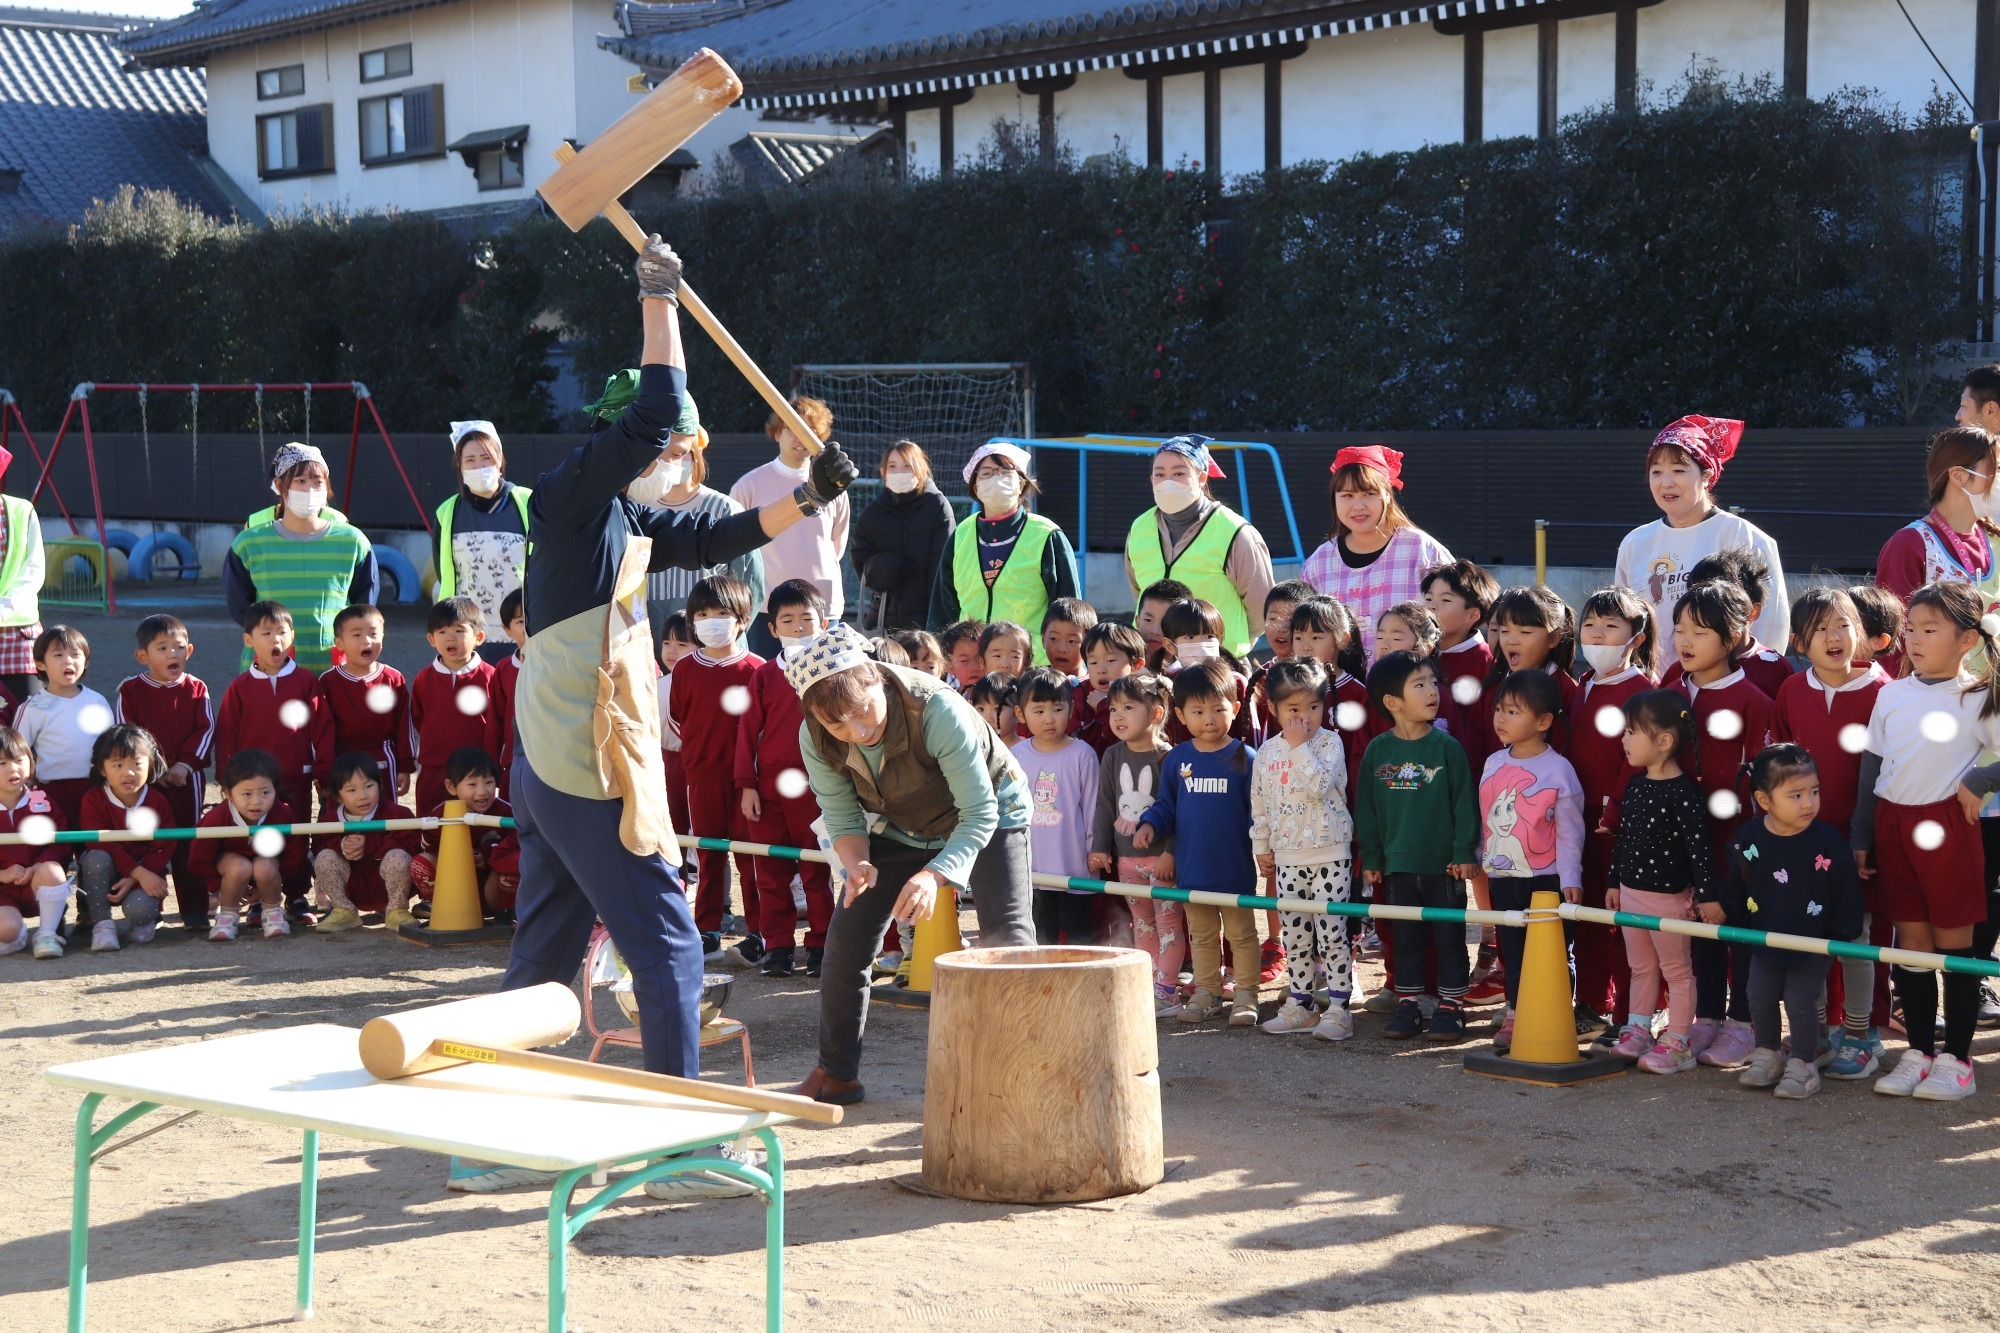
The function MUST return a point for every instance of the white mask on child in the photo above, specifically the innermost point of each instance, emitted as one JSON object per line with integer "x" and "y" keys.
{"x": 790, "y": 644}
{"x": 900, "y": 480}
{"x": 1604, "y": 658}
{"x": 715, "y": 631}
{"x": 1193, "y": 652}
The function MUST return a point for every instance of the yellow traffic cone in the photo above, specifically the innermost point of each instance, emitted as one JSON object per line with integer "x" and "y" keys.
{"x": 1544, "y": 1049}
{"x": 456, "y": 914}
{"x": 937, "y": 935}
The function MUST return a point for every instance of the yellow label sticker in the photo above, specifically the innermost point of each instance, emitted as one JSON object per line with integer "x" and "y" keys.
{"x": 458, "y": 1052}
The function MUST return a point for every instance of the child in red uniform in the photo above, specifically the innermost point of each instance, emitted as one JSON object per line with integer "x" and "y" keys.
{"x": 260, "y": 865}
{"x": 277, "y": 708}
{"x": 959, "y": 642}
{"x": 1534, "y": 630}
{"x": 676, "y": 642}
{"x": 1882, "y": 613}
{"x": 1763, "y": 667}
{"x": 1826, "y": 709}
{"x": 1006, "y": 648}
{"x": 776, "y": 798}
{"x": 362, "y": 872}
{"x": 32, "y": 881}
{"x": 1154, "y": 599}
{"x": 1618, "y": 642}
{"x": 62, "y": 720}
{"x": 1460, "y": 596}
{"x": 706, "y": 704}
{"x": 368, "y": 702}
{"x": 1109, "y": 652}
{"x": 1732, "y": 721}
{"x": 1191, "y": 632}
{"x": 131, "y": 875}
{"x": 472, "y": 776}
{"x": 173, "y": 704}
{"x": 1064, "y": 624}
{"x": 451, "y": 700}
{"x": 506, "y": 680}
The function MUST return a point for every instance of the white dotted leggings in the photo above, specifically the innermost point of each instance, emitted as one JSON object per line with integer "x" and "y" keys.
{"x": 1310, "y": 936}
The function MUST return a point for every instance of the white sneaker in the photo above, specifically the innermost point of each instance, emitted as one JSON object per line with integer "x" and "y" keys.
{"x": 706, "y": 1184}
{"x": 275, "y": 926}
{"x": 1910, "y": 1070}
{"x": 469, "y": 1177}
{"x": 15, "y": 945}
{"x": 48, "y": 944}
{"x": 104, "y": 937}
{"x": 1293, "y": 1017}
{"x": 1950, "y": 1080}
{"x": 1243, "y": 1010}
{"x": 143, "y": 932}
{"x": 224, "y": 929}
{"x": 1336, "y": 1024}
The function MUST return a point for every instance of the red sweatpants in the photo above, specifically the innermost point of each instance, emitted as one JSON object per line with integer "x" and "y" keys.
{"x": 1603, "y": 971}
{"x": 191, "y": 897}
{"x": 775, "y": 917}
{"x": 677, "y": 800}
{"x": 714, "y": 812}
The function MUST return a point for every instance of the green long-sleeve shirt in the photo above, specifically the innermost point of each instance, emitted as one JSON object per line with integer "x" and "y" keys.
{"x": 1416, "y": 809}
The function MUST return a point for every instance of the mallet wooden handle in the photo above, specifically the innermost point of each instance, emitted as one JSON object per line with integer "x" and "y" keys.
{"x": 748, "y": 1099}
{"x": 629, "y": 228}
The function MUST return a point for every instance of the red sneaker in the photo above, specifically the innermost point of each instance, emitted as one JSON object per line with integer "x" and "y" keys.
{"x": 1490, "y": 991}
{"x": 1273, "y": 963}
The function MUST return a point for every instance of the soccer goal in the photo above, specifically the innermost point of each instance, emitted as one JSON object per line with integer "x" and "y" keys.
{"x": 948, "y": 408}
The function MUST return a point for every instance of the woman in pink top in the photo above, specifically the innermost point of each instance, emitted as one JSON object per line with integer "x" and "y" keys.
{"x": 1375, "y": 557}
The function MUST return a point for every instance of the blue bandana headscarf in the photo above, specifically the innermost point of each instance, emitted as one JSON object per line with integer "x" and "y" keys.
{"x": 1194, "y": 448}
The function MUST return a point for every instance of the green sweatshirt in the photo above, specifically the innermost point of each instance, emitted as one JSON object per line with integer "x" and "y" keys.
{"x": 1415, "y": 808}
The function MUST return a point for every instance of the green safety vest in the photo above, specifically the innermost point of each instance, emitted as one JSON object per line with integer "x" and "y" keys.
{"x": 447, "y": 567}
{"x": 311, "y": 578}
{"x": 1201, "y": 565}
{"x": 1018, "y": 593}
{"x": 269, "y": 514}
{"x": 21, "y": 519}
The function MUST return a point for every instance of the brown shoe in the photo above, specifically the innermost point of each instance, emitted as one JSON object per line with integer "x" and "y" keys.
{"x": 832, "y": 1091}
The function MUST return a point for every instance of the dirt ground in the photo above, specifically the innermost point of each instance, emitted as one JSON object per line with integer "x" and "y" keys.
{"x": 1357, "y": 1186}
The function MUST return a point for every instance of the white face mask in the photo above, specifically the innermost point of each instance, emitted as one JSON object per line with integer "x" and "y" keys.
{"x": 999, "y": 492}
{"x": 1604, "y": 658}
{"x": 482, "y": 481}
{"x": 790, "y": 644}
{"x": 676, "y": 472}
{"x": 1985, "y": 504}
{"x": 651, "y": 488}
{"x": 1174, "y": 496}
{"x": 1193, "y": 652}
{"x": 900, "y": 481}
{"x": 306, "y": 503}
{"x": 715, "y": 631}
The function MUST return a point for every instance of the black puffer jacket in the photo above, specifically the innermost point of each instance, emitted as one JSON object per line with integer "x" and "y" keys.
{"x": 896, "y": 544}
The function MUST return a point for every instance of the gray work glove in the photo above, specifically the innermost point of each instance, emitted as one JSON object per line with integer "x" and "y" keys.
{"x": 659, "y": 270}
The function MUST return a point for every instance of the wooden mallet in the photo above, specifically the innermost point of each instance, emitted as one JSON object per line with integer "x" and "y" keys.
{"x": 497, "y": 1029}
{"x": 588, "y": 184}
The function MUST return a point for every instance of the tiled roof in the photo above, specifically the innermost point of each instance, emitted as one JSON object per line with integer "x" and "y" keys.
{"x": 77, "y": 127}
{"x": 781, "y": 158}
{"x": 220, "y": 24}
{"x": 813, "y": 52}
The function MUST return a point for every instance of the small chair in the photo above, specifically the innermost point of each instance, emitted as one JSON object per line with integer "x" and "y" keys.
{"x": 712, "y": 1034}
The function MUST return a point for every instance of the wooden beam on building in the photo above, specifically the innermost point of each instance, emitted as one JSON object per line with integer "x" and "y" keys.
{"x": 1475, "y": 86}
{"x": 1625, "y": 61}
{"x": 1797, "y": 14}
{"x": 1044, "y": 91}
{"x": 1274, "y": 115}
{"x": 1545, "y": 78}
{"x": 1211, "y": 123}
{"x": 1156, "y": 128}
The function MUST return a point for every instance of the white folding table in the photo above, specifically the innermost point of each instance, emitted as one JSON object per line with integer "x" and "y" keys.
{"x": 310, "y": 1078}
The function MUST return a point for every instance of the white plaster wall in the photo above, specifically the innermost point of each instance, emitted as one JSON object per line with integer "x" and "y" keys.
{"x": 1181, "y": 136}
{"x": 1242, "y": 120}
{"x": 1374, "y": 92}
{"x": 1745, "y": 37}
{"x": 972, "y": 123}
{"x": 1866, "y": 44}
{"x": 921, "y": 130}
{"x": 1513, "y": 57}
{"x": 1104, "y": 112}
{"x": 1586, "y": 64}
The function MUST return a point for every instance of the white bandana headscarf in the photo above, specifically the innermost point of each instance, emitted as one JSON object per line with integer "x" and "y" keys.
{"x": 291, "y": 455}
{"x": 839, "y": 649}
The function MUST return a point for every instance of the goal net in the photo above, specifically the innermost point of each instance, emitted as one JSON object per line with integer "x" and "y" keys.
{"x": 949, "y": 409}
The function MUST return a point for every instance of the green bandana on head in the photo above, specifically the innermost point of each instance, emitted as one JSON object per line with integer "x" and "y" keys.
{"x": 689, "y": 421}
{"x": 619, "y": 392}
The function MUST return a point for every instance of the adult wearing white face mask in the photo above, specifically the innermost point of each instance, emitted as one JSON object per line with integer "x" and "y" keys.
{"x": 900, "y": 537}
{"x": 1193, "y": 538}
{"x": 1955, "y": 539}
{"x": 480, "y": 545}
{"x": 312, "y": 563}
{"x": 1005, "y": 562}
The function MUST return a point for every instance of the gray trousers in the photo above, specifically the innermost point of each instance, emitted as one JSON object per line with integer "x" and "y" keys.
{"x": 95, "y": 874}
{"x": 1793, "y": 982}
{"x": 1002, "y": 894}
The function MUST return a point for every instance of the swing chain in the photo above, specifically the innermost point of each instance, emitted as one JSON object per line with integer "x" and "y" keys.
{"x": 260, "y": 426}
{"x": 146, "y": 438}
{"x": 194, "y": 430}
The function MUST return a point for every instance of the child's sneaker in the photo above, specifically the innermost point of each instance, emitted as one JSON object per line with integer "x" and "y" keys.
{"x": 48, "y": 944}
{"x": 888, "y": 965}
{"x": 1801, "y": 1081}
{"x": 1766, "y": 1067}
{"x": 815, "y": 961}
{"x": 1588, "y": 1021}
{"x": 1271, "y": 965}
{"x": 104, "y": 937}
{"x": 143, "y": 932}
{"x": 1200, "y": 1007}
{"x": 1670, "y": 1055}
{"x": 339, "y": 919}
{"x": 276, "y": 927}
{"x": 1490, "y": 990}
{"x": 1912, "y": 1069}
{"x": 1633, "y": 1042}
{"x": 1406, "y": 1022}
{"x": 1243, "y": 1009}
{"x": 1855, "y": 1057}
{"x": 1447, "y": 1024}
{"x": 1166, "y": 1000}
{"x": 903, "y": 969}
{"x": 397, "y": 918}
{"x": 1731, "y": 1047}
{"x": 1503, "y": 1036}
{"x": 1296, "y": 1016}
{"x": 1702, "y": 1035}
{"x": 1336, "y": 1024}
{"x": 777, "y": 963}
{"x": 1950, "y": 1080}
{"x": 1383, "y": 1001}
{"x": 224, "y": 929}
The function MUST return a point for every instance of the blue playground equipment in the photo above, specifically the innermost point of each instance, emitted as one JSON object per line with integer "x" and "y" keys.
{"x": 140, "y": 557}
{"x": 396, "y": 565}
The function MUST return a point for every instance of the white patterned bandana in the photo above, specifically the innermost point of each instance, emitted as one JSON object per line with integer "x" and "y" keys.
{"x": 839, "y": 649}
{"x": 291, "y": 455}
{"x": 461, "y": 429}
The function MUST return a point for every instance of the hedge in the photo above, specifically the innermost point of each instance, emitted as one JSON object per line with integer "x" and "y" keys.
{"x": 1794, "y": 262}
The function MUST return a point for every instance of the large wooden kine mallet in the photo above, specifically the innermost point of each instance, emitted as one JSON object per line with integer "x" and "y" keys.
{"x": 589, "y": 182}
{"x": 499, "y": 1029}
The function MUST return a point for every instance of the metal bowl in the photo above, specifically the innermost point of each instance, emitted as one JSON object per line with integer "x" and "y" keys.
{"x": 714, "y": 991}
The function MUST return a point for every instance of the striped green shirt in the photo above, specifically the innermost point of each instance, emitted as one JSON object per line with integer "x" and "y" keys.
{"x": 310, "y": 576}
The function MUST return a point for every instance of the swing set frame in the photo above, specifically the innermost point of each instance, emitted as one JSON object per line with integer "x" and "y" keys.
{"x": 78, "y": 411}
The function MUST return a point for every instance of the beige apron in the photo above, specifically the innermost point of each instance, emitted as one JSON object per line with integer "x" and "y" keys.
{"x": 625, "y": 724}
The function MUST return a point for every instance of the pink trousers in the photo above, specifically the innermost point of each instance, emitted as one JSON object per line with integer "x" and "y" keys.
{"x": 1159, "y": 928}
{"x": 1654, "y": 954}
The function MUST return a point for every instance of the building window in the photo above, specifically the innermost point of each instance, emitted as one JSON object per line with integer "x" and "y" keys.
{"x": 500, "y": 169}
{"x": 285, "y": 81}
{"x": 295, "y": 143}
{"x": 494, "y": 156}
{"x": 391, "y": 62}
{"x": 404, "y": 125}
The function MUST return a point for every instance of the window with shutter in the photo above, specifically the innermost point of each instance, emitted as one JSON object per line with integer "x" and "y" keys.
{"x": 399, "y": 127}
{"x": 295, "y": 143}
{"x": 419, "y": 134}
{"x": 314, "y": 154}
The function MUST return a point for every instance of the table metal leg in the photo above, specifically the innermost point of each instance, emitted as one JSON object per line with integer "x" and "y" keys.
{"x": 560, "y": 1232}
{"x": 774, "y": 1233}
{"x": 308, "y": 1223}
{"x": 88, "y": 1141}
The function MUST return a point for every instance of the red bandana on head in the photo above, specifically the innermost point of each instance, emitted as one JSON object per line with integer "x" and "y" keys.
{"x": 1378, "y": 456}
{"x": 1709, "y": 441}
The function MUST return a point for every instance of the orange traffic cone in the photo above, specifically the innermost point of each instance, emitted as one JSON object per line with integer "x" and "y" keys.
{"x": 1544, "y": 1049}
{"x": 456, "y": 914}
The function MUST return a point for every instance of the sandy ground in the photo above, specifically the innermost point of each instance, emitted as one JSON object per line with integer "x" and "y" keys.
{"x": 1356, "y": 1186}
